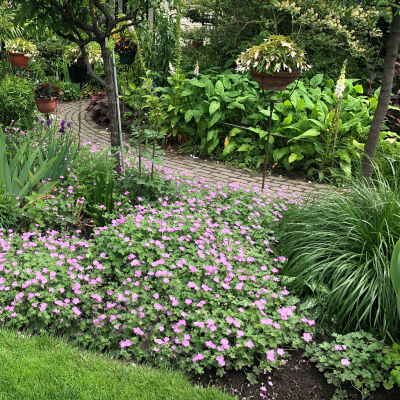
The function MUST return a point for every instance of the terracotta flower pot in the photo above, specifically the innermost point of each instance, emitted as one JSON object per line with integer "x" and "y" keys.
{"x": 46, "y": 106}
{"x": 275, "y": 81}
{"x": 19, "y": 60}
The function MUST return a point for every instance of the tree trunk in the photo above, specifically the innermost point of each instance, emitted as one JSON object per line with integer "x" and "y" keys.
{"x": 384, "y": 97}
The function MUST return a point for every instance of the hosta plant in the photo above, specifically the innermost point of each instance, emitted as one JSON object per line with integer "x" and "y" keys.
{"x": 277, "y": 53}
{"x": 21, "y": 46}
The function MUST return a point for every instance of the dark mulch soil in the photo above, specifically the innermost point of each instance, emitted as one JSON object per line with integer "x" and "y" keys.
{"x": 297, "y": 380}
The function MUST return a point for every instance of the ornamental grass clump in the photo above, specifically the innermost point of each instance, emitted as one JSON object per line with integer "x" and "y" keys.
{"x": 340, "y": 248}
{"x": 277, "y": 53}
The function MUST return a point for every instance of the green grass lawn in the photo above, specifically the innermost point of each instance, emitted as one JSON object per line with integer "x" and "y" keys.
{"x": 44, "y": 368}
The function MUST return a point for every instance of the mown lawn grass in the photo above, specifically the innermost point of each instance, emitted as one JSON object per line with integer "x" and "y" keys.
{"x": 45, "y": 368}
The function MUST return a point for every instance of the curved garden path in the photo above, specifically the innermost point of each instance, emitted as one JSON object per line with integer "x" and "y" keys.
{"x": 211, "y": 171}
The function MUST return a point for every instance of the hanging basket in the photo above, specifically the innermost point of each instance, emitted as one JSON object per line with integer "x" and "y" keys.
{"x": 197, "y": 43}
{"x": 78, "y": 74}
{"x": 276, "y": 81}
{"x": 46, "y": 106}
{"x": 19, "y": 60}
{"x": 127, "y": 58}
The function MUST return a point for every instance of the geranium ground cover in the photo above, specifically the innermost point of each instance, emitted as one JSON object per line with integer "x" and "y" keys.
{"x": 190, "y": 280}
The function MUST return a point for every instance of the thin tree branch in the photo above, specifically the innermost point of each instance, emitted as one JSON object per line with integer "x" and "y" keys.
{"x": 113, "y": 32}
{"x": 130, "y": 16}
{"x": 81, "y": 45}
{"x": 89, "y": 68}
{"x": 67, "y": 12}
{"x": 95, "y": 20}
{"x": 109, "y": 19}
{"x": 80, "y": 41}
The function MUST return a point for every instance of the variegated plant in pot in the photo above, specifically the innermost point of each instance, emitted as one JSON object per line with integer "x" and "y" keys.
{"x": 275, "y": 63}
{"x": 20, "y": 52}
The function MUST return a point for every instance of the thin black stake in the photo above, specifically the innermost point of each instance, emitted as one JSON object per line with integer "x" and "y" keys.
{"x": 153, "y": 155}
{"x": 79, "y": 116}
{"x": 140, "y": 146}
{"x": 271, "y": 102}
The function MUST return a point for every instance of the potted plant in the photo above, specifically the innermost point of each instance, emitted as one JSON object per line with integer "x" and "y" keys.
{"x": 76, "y": 66}
{"x": 195, "y": 36}
{"x": 126, "y": 49}
{"x": 46, "y": 96}
{"x": 20, "y": 51}
{"x": 275, "y": 63}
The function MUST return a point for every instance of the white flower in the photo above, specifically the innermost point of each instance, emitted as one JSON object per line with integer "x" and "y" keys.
{"x": 341, "y": 83}
{"x": 286, "y": 44}
{"x": 171, "y": 68}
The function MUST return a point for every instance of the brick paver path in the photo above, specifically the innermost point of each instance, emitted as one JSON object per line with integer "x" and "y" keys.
{"x": 211, "y": 171}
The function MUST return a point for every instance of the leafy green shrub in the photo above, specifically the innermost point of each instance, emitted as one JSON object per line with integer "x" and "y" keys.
{"x": 355, "y": 358}
{"x": 61, "y": 146}
{"x": 388, "y": 153}
{"x": 59, "y": 210}
{"x": 145, "y": 187}
{"x": 92, "y": 183}
{"x": 328, "y": 31}
{"x": 8, "y": 210}
{"x": 17, "y": 102}
{"x": 91, "y": 164}
{"x": 392, "y": 363}
{"x": 303, "y": 123}
{"x": 340, "y": 248}
{"x": 51, "y": 51}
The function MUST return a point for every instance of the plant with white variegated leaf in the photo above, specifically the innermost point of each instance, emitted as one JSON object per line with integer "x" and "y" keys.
{"x": 277, "y": 53}
{"x": 15, "y": 46}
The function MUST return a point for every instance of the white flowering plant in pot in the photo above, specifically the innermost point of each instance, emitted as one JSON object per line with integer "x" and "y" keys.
{"x": 278, "y": 57}
{"x": 277, "y": 53}
{"x": 73, "y": 54}
{"x": 21, "y": 46}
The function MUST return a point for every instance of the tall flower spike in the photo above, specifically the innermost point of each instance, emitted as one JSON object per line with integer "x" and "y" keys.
{"x": 340, "y": 85}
